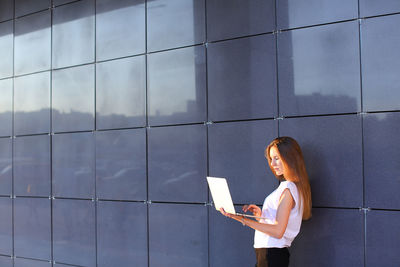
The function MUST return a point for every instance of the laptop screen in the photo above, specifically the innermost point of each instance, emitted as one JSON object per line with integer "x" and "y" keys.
{"x": 220, "y": 194}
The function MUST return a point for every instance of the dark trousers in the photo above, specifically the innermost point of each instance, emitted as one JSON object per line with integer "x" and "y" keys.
{"x": 272, "y": 257}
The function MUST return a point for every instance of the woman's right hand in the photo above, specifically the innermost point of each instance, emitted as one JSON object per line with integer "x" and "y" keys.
{"x": 253, "y": 209}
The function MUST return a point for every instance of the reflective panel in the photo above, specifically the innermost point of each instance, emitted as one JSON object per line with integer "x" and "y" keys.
{"x": 73, "y": 165}
{"x": 32, "y": 104}
{"x": 342, "y": 233}
{"x": 242, "y": 79}
{"x": 23, "y": 7}
{"x": 319, "y": 70}
{"x": 32, "y": 228}
{"x": 121, "y": 164}
{"x": 234, "y": 18}
{"x": 230, "y": 242}
{"x": 382, "y": 160}
{"x": 31, "y": 263}
{"x": 6, "y": 261}
{"x": 33, "y": 43}
{"x": 383, "y": 228}
{"x": 61, "y": 2}
{"x": 373, "y": 8}
{"x": 73, "y": 99}
{"x": 32, "y": 166}
{"x": 175, "y": 23}
{"x": 332, "y": 160}
{"x": 6, "y": 10}
{"x": 6, "y": 49}
{"x": 122, "y": 234}
{"x": 236, "y": 152}
{"x": 173, "y": 100}
{"x": 178, "y": 235}
{"x": 121, "y": 93}
{"x": 5, "y": 166}
{"x": 73, "y": 34}
{"x": 6, "y": 227}
{"x": 292, "y": 13}
{"x": 6, "y": 106}
{"x": 381, "y": 61}
{"x": 74, "y": 232}
{"x": 120, "y": 28}
{"x": 178, "y": 163}
{"x": 63, "y": 265}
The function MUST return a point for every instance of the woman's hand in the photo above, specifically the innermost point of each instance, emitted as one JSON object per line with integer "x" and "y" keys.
{"x": 226, "y": 214}
{"x": 232, "y": 216}
{"x": 253, "y": 209}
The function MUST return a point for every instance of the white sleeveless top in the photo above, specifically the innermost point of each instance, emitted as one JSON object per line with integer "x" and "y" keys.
{"x": 269, "y": 210}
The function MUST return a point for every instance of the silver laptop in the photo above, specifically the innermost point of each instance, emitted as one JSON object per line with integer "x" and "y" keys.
{"x": 222, "y": 197}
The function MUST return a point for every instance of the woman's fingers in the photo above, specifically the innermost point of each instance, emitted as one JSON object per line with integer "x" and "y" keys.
{"x": 252, "y": 208}
{"x": 224, "y": 212}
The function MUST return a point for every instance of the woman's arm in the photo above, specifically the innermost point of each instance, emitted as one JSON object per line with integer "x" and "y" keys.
{"x": 286, "y": 203}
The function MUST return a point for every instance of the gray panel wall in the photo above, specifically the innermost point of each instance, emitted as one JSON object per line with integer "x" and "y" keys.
{"x": 112, "y": 112}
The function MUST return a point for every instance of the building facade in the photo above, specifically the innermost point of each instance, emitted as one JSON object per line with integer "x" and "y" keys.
{"x": 113, "y": 112}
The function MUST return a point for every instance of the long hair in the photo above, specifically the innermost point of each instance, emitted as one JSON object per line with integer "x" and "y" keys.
{"x": 294, "y": 169}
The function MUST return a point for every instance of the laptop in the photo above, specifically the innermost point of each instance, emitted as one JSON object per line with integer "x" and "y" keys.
{"x": 222, "y": 197}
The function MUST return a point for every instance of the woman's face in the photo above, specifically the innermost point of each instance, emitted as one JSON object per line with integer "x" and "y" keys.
{"x": 276, "y": 162}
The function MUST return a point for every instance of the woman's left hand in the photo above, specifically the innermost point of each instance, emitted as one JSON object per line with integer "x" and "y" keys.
{"x": 230, "y": 215}
{"x": 226, "y": 214}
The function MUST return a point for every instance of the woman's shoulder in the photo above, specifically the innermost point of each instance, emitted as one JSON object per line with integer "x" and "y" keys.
{"x": 286, "y": 184}
{"x": 290, "y": 185}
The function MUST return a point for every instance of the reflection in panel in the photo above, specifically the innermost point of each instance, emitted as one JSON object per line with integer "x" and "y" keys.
{"x": 32, "y": 166}
{"x": 6, "y": 107}
{"x": 331, "y": 238}
{"x": 23, "y": 7}
{"x": 236, "y": 152}
{"x": 178, "y": 163}
{"x": 381, "y": 61}
{"x": 33, "y": 43}
{"x": 242, "y": 79}
{"x": 73, "y": 165}
{"x": 178, "y": 235}
{"x": 73, "y": 34}
{"x": 6, "y": 167}
{"x": 121, "y": 234}
{"x": 120, "y": 28}
{"x": 73, "y": 99}
{"x": 18, "y": 262}
{"x": 319, "y": 70}
{"x": 293, "y": 13}
{"x": 175, "y": 23}
{"x": 6, "y": 261}
{"x": 6, "y": 227}
{"x": 61, "y": 2}
{"x": 74, "y": 232}
{"x": 32, "y": 228}
{"x": 121, "y": 93}
{"x": 32, "y": 104}
{"x": 382, "y": 238}
{"x": 6, "y": 10}
{"x": 6, "y": 49}
{"x": 333, "y": 161}
{"x": 382, "y": 160}
{"x": 373, "y": 8}
{"x": 121, "y": 164}
{"x": 235, "y": 18}
{"x": 177, "y": 86}
{"x": 231, "y": 244}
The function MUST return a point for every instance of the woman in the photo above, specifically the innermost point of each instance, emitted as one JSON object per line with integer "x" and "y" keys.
{"x": 283, "y": 209}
